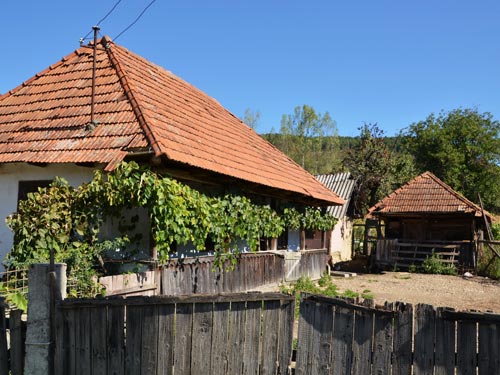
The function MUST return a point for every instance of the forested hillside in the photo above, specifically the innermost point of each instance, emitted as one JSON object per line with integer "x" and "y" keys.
{"x": 461, "y": 147}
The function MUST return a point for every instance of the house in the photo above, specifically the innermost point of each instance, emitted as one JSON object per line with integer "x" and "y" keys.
{"x": 338, "y": 240}
{"x": 62, "y": 122}
{"x": 424, "y": 216}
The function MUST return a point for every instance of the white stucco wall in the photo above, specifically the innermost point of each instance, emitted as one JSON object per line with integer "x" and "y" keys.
{"x": 341, "y": 240}
{"x": 12, "y": 173}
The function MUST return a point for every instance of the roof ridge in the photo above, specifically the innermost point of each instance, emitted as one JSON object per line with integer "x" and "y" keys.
{"x": 128, "y": 89}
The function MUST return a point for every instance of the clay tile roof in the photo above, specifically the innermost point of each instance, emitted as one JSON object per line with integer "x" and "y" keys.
{"x": 139, "y": 105}
{"x": 425, "y": 194}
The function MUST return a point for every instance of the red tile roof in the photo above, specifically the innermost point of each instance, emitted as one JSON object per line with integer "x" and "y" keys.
{"x": 138, "y": 105}
{"x": 425, "y": 194}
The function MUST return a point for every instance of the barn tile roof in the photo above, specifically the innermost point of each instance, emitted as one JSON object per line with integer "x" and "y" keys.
{"x": 341, "y": 184}
{"x": 138, "y": 106}
{"x": 425, "y": 194}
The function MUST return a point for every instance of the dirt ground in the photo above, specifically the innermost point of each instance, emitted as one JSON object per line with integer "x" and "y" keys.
{"x": 475, "y": 293}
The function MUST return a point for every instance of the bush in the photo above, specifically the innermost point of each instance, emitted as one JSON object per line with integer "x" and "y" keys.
{"x": 435, "y": 265}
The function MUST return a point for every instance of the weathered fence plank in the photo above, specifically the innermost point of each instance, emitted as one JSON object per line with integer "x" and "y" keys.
{"x": 445, "y": 345}
{"x": 4, "y": 355}
{"x": 236, "y": 337}
{"x": 489, "y": 348}
{"x": 17, "y": 335}
{"x": 466, "y": 349}
{"x": 220, "y": 335}
{"x": 149, "y": 339}
{"x": 322, "y": 350}
{"x": 99, "y": 320}
{"x": 183, "y": 338}
{"x": 165, "y": 356}
{"x": 201, "y": 349}
{"x": 133, "y": 340}
{"x": 287, "y": 319}
{"x": 270, "y": 338}
{"x": 303, "y": 363}
{"x": 116, "y": 340}
{"x": 252, "y": 338}
{"x": 362, "y": 342}
{"x": 382, "y": 342}
{"x": 403, "y": 337}
{"x": 424, "y": 339}
{"x": 342, "y": 340}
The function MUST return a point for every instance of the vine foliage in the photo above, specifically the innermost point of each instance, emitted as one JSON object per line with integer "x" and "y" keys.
{"x": 67, "y": 220}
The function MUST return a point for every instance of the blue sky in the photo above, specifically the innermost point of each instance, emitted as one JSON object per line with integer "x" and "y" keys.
{"x": 390, "y": 62}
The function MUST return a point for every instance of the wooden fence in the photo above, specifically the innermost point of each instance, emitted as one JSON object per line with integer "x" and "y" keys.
{"x": 224, "y": 334}
{"x": 401, "y": 253}
{"x": 339, "y": 337}
{"x": 199, "y": 276}
{"x": 12, "y": 338}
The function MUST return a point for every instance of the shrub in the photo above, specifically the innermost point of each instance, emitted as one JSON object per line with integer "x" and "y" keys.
{"x": 435, "y": 265}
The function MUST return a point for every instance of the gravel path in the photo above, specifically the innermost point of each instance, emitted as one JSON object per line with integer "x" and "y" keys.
{"x": 476, "y": 293}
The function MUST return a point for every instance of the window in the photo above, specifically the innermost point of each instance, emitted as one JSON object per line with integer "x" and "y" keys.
{"x": 26, "y": 187}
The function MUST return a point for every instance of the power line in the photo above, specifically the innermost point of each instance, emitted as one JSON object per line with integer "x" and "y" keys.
{"x": 135, "y": 21}
{"x": 101, "y": 20}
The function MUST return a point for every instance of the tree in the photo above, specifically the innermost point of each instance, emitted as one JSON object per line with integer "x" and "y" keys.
{"x": 376, "y": 168}
{"x": 462, "y": 147}
{"x": 307, "y": 136}
{"x": 251, "y": 118}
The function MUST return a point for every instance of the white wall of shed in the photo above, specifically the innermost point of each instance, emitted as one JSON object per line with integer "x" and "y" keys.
{"x": 12, "y": 173}
{"x": 341, "y": 240}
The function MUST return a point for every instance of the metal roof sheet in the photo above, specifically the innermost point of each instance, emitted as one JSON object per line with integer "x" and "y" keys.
{"x": 341, "y": 184}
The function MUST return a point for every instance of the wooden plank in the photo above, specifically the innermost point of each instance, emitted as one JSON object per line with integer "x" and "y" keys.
{"x": 236, "y": 338}
{"x": 445, "y": 345}
{"x": 17, "y": 335}
{"x": 403, "y": 337}
{"x": 489, "y": 349}
{"x": 133, "y": 340}
{"x": 70, "y": 341}
{"x": 252, "y": 338}
{"x": 382, "y": 344}
{"x": 342, "y": 341}
{"x": 183, "y": 338}
{"x": 424, "y": 339}
{"x": 466, "y": 347}
{"x": 220, "y": 335}
{"x": 4, "y": 354}
{"x": 270, "y": 337}
{"x": 322, "y": 340}
{"x": 84, "y": 352}
{"x": 362, "y": 342}
{"x": 285, "y": 344}
{"x": 202, "y": 337}
{"x": 166, "y": 314}
{"x": 116, "y": 340}
{"x": 99, "y": 343}
{"x": 303, "y": 363}
{"x": 149, "y": 340}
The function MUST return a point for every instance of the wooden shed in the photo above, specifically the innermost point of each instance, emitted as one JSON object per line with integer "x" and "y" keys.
{"x": 427, "y": 216}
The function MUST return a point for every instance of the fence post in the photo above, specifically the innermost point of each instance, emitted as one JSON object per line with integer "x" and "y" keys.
{"x": 4, "y": 359}
{"x": 38, "y": 334}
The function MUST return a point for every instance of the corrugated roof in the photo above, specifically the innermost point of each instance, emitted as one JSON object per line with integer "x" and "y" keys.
{"x": 425, "y": 194}
{"x": 138, "y": 105}
{"x": 341, "y": 184}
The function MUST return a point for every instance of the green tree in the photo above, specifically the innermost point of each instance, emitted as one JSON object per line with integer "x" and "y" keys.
{"x": 376, "y": 167}
{"x": 310, "y": 138}
{"x": 462, "y": 147}
{"x": 251, "y": 118}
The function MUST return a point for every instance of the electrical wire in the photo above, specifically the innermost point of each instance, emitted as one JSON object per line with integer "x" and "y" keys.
{"x": 135, "y": 21}
{"x": 101, "y": 20}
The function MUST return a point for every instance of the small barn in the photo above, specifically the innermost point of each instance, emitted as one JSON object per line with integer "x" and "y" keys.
{"x": 427, "y": 216}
